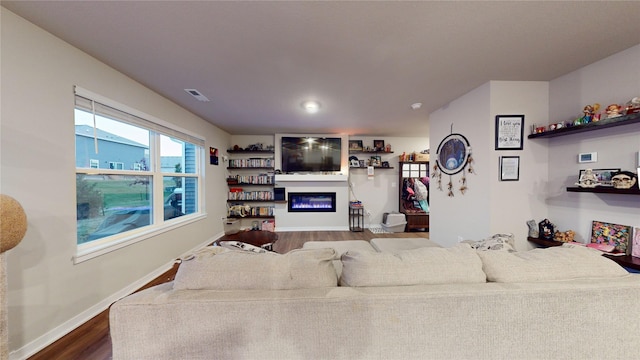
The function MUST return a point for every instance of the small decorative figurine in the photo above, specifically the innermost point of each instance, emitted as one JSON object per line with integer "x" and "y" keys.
{"x": 623, "y": 179}
{"x": 589, "y": 114}
{"x": 546, "y": 229}
{"x": 633, "y": 106}
{"x": 533, "y": 229}
{"x": 588, "y": 179}
{"x": 613, "y": 110}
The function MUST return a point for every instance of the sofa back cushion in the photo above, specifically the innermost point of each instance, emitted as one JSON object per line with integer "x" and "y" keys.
{"x": 429, "y": 265}
{"x": 555, "y": 263}
{"x": 244, "y": 270}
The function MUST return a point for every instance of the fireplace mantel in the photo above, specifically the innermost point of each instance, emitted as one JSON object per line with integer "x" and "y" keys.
{"x": 310, "y": 177}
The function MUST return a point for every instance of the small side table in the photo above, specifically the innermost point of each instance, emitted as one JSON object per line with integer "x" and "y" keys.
{"x": 356, "y": 218}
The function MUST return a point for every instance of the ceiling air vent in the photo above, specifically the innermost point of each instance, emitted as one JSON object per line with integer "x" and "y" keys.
{"x": 196, "y": 94}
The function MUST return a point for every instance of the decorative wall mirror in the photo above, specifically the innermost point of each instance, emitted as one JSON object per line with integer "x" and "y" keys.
{"x": 452, "y": 154}
{"x": 452, "y": 157}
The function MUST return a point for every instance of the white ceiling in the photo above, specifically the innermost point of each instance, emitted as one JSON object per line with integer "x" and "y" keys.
{"x": 366, "y": 62}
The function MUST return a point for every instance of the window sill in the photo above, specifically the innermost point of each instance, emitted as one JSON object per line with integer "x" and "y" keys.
{"x": 89, "y": 251}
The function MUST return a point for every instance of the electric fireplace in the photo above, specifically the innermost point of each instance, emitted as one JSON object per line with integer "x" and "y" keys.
{"x": 312, "y": 202}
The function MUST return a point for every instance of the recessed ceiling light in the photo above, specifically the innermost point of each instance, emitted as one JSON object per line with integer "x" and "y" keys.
{"x": 311, "y": 107}
{"x": 197, "y": 94}
{"x": 416, "y": 106}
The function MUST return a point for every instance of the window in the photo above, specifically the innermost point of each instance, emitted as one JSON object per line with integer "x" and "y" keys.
{"x": 150, "y": 182}
{"x": 113, "y": 165}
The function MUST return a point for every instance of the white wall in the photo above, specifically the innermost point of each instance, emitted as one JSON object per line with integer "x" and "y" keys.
{"x": 48, "y": 294}
{"x": 615, "y": 79}
{"x": 379, "y": 194}
{"x": 513, "y": 203}
{"x": 465, "y": 215}
{"x": 491, "y": 206}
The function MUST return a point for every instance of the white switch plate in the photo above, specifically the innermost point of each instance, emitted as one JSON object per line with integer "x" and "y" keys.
{"x": 588, "y": 157}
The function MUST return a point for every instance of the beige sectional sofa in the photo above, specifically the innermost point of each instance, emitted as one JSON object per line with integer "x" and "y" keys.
{"x": 424, "y": 303}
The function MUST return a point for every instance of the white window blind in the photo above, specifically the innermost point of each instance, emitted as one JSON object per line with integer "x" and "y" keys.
{"x": 110, "y": 109}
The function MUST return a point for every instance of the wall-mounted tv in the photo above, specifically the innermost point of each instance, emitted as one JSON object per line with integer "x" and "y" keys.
{"x": 311, "y": 154}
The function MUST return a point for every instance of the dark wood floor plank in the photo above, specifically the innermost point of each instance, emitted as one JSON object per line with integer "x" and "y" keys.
{"x": 91, "y": 340}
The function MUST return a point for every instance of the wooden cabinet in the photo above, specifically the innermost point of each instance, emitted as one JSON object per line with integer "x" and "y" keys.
{"x": 416, "y": 211}
{"x": 250, "y": 182}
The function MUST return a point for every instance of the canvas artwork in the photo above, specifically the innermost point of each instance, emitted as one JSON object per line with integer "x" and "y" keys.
{"x": 611, "y": 234}
{"x": 635, "y": 246}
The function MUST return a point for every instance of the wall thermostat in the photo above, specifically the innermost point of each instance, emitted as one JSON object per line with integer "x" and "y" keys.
{"x": 587, "y": 157}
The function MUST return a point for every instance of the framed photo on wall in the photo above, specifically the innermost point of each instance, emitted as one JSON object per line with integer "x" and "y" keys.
{"x": 509, "y": 168}
{"x": 355, "y": 145}
{"x": 509, "y": 132}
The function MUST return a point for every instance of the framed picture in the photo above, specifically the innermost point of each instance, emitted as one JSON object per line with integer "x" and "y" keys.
{"x": 376, "y": 160}
{"x": 611, "y": 234}
{"x": 213, "y": 156}
{"x": 385, "y": 164}
{"x": 600, "y": 176}
{"x": 362, "y": 163}
{"x": 378, "y": 145}
{"x": 509, "y": 132}
{"x": 509, "y": 168}
{"x": 355, "y": 145}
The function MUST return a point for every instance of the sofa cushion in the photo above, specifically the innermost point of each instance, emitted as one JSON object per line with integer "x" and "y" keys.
{"x": 429, "y": 265}
{"x": 555, "y": 263}
{"x": 244, "y": 270}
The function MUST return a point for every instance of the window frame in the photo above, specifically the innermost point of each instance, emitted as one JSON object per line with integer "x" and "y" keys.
{"x": 95, "y": 248}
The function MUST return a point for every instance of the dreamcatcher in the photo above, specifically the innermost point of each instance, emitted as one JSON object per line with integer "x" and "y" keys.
{"x": 452, "y": 157}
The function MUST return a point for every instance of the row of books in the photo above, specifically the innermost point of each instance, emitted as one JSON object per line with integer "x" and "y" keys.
{"x": 250, "y": 195}
{"x": 251, "y": 163}
{"x": 261, "y": 211}
{"x": 261, "y": 179}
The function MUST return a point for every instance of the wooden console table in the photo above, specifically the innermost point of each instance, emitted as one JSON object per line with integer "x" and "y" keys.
{"x": 417, "y": 221}
{"x": 627, "y": 261}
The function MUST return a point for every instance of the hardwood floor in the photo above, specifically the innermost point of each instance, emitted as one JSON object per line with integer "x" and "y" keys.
{"x": 91, "y": 340}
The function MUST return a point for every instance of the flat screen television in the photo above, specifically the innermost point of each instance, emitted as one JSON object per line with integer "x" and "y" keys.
{"x": 310, "y": 154}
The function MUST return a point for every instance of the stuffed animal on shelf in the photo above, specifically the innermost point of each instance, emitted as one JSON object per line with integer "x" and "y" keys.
{"x": 566, "y": 236}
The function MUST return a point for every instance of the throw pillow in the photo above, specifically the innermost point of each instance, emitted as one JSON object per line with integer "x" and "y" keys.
{"x": 501, "y": 242}
{"x": 555, "y": 263}
{"x": 430, "y": 265}
{"x": 246, "y": 270}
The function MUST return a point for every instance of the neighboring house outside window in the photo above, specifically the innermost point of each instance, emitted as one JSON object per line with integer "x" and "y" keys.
{"x": 149, "y": 178}
{"x": 113, "y": 165}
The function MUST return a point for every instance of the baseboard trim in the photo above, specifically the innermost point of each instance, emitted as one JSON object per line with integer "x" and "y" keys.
{"x": 68, "y": 326}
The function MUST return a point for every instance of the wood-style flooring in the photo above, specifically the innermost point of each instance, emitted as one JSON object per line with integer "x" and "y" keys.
{"x": 91, "y": 340}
